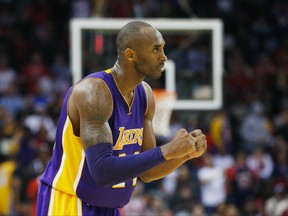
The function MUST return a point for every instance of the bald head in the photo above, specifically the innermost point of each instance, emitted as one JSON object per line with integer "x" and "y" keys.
{"x": 131, "y": 35}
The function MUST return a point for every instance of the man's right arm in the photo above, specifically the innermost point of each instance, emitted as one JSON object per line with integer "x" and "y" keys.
{"x": 90, "y": 107}
{"x": 93, "y": 103}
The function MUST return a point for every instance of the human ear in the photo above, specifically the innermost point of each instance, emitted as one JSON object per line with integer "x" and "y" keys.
{"x": 129, "y": 54}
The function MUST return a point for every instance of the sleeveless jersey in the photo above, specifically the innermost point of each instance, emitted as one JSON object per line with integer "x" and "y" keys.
{"x": 67, "y": 170}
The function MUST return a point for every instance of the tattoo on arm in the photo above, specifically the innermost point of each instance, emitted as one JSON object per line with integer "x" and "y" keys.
{"x": 96, "y": 134}
{"x": 96, "y": 128}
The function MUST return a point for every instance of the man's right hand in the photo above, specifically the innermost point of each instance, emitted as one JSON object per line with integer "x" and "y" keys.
{"x": 181, "y": 145}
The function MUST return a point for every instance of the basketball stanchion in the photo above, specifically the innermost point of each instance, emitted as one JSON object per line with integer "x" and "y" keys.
{"x": 164, "y": 101}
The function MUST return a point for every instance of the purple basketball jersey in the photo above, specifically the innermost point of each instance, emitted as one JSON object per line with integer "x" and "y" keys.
{"x": 68, "y": 171}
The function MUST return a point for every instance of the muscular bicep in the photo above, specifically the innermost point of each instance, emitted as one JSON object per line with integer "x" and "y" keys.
{"x": 149, "y": 140}
{"x": 94, "y": 107}
{"x": 92, "y": 129}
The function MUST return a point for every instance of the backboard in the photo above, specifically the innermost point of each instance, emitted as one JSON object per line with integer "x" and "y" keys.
{"x": 194, "y": 48}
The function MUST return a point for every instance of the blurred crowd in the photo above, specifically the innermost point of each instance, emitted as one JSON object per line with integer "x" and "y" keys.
{"x": 245, "y": 170}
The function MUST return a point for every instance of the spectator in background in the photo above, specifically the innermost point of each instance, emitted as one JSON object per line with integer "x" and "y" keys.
{"x": 13, "y": 101}
{"x": 264, "y": 67}
{"x": 31, "y": 194}
{"x": 35, "y": 169}
{"x": 7, "y": 168}
{"x": 80, "y": 8}
{"x": 281, "y": 165}
{"x": 198, "y": 60}
{"x": 220, "y": 130}
{"x": 184, "y": 194}
{"x": 260, "y": 163}
{"x": 223, "y": 159}
{"x": 7, "y": 75}
{"x": 279, "y": 90}
{"x": 280, "y": 172}
{"x": 255, "y": 129}
{"x": 33, "y": 157}
{"x": 40, "y": 122}
{"x": 61, "y": 74}
{"x": 138, "y": 202}
{"x": 33, "y": 72}
{"x": 240, "y": 181}
{"x": 279, "y": 13}
{"x": 231, "y": 210}
{"x": 193, "y": 77}
{"x": 212, "y": 185}
{"x": 10, "y": 134}
{"x": 240, "y": 79}
{"x": 169, "y": 184}
{"x": 277, "y": 204}
{"x": 10, "y": 137}
{"x": 197, "y": 209}
{"x": 227, "y": 209}
{"x": 281, "y": 122}
{"x": 157, "y": 206}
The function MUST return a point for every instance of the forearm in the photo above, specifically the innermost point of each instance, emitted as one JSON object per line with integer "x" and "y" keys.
{"x": 163, "y": 169}
{"x": 107, "y": 169}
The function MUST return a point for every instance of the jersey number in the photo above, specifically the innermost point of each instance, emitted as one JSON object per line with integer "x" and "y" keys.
{"x": 123, "y": 184}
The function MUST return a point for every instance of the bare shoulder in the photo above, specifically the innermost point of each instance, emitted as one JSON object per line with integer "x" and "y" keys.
{"x": 150, "y": 100}
{"x": 90, "y": 100}
{"x": 147, "y": 87}
{"x": 93, "y": 96}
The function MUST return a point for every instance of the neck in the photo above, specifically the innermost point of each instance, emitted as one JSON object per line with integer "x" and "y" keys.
{"x": 124, "y": 78}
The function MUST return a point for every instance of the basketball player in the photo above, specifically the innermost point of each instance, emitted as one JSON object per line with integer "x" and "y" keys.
{"x": 105, "y": 138}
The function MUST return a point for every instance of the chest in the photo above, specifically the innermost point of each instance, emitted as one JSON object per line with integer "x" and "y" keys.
{"x": 127, "y": 125}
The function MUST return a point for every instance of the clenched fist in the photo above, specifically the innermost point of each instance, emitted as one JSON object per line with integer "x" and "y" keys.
{"x": 181, "y": 145}
{"x": 200, "y": 144}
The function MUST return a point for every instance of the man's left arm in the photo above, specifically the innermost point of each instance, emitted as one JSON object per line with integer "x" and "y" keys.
{"x": 169, "y": 166}
{"x": 149, "y": 142}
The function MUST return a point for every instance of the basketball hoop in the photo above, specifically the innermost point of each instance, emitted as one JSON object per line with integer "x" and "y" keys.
{"x": 164, "y": 101}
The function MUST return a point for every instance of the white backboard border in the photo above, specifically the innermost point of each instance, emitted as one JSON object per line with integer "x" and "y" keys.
{"x": 114, "y": 25}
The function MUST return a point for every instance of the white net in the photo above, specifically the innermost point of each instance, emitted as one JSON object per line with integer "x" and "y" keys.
{"x": 164, "y": 106}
